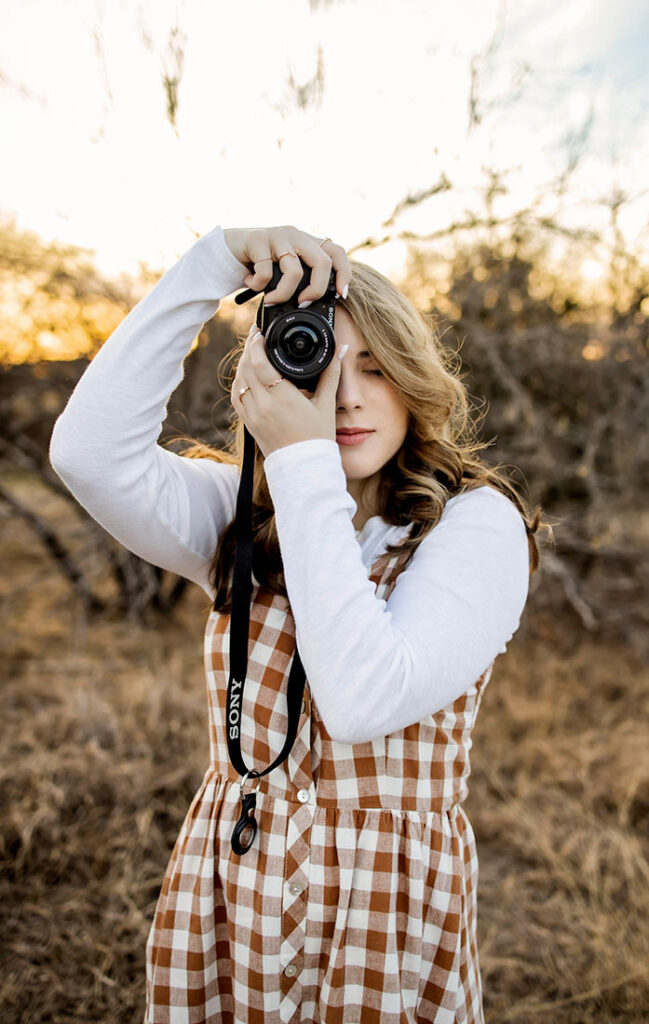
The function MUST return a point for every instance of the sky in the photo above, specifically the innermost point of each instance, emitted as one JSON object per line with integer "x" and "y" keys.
{"x": 91, "y": 158}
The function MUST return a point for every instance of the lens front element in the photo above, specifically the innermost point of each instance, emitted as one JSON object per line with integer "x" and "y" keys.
{"x": 300, "y": 345}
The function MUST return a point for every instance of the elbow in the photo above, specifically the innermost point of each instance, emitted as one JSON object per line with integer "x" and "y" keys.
{"x": 355, "y": 731}
{"x": 378, "y": 693}
{"x": 338, "y": 710}
{"x": 61, "y": 449}
{"x": 368, "y": 720}
{"x": 350, "y": 738}
{"x": 331, "y": 725}
{"x": 340, "y": 727}
{"x": 67, "y": 453}
{"x": 339, "y": 736}
{"x": 344, "y": 738}
{"x": 56, "y": 452}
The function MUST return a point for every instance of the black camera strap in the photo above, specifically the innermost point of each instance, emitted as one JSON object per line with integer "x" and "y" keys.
{"x": 245, "y": 829}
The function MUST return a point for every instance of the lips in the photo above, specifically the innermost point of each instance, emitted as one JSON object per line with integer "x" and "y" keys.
{"x": 349, "y": 436}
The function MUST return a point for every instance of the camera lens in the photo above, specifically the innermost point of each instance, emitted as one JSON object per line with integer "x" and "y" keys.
{"x": 300, "y": 343}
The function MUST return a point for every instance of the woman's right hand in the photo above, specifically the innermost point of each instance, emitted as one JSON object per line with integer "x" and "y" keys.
{"x": 254, "y": 246}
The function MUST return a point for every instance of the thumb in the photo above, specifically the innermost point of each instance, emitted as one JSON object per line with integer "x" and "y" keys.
{"x": 328, "y": 383}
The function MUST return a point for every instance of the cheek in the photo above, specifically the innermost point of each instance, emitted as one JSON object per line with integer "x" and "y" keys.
{"x": 398, "y": 413}
{"x": 402, "y": 432}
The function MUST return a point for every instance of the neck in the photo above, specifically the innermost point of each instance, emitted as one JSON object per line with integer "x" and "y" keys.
{"x": 359, "y": 520}
{"x": 365, "y": 509}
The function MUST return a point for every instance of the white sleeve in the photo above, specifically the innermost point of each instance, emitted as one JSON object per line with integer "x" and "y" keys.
{"x": 165, "y": 508}
{"x": 375, "y": 667}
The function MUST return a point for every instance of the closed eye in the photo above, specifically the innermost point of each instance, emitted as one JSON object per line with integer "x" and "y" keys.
{"x": 378, "y": 373}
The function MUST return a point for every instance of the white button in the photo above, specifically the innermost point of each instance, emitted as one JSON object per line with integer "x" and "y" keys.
{"x": 290, "y": 971}
{"x": 303, "y": 796}
{"x": 295, "y": 888}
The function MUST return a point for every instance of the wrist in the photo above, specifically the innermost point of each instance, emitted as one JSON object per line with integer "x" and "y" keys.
{"x": 234, "y": 239}
{"x": 304, "y": 447}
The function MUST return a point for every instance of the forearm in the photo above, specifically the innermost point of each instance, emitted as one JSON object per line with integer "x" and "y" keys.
{"x": 117, "y": 409}
{"x": 167, "y": 509}
{"x": 344, "y": 634}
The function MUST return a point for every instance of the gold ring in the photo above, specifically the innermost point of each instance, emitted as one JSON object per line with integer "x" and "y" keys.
{"x": 323, "y": 241}
{"x": 287, "y": 253}
{"x": 242, "y": 391}
{"x": 278, "y": 381}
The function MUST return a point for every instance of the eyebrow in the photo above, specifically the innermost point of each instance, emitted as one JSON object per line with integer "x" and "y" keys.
{"x": 364, "y": 355}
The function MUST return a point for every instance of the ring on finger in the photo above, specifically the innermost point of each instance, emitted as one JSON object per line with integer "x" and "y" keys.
{"x": 242, "y": 391}
{"x": 288, "y": 252}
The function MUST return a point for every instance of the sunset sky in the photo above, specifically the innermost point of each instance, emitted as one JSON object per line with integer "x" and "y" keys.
{"x": 91, "y": 158}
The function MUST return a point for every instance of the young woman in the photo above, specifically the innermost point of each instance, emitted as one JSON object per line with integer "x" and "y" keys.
{"x": 397, "y": 561}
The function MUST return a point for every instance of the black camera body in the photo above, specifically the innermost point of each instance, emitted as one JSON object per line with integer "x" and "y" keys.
{"x": 300, "y": 343}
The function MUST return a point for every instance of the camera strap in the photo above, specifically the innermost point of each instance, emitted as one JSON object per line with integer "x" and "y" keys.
{"x": 246, "y": 827}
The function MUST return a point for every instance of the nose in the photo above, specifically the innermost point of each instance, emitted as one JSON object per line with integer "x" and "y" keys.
{"x": 349, "y": 394}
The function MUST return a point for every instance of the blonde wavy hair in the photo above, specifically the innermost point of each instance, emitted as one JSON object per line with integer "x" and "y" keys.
{"x": 437, "y": 460}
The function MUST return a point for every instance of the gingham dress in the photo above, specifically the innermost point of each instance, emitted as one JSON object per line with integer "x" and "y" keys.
{"x": 356, "y": 903}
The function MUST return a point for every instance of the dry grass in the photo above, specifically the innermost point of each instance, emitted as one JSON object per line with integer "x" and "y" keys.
{"x": 105, "y": 742}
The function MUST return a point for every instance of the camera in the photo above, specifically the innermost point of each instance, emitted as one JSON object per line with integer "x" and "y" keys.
{"x": 300, "y": 343}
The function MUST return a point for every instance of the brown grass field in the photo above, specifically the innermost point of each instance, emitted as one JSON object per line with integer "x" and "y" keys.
{"x": 105, "y": 740}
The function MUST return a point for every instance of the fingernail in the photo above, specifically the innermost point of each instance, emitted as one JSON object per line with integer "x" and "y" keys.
{"x": 307, "y": 302}
{"x": 341, "y": 354}
{"x": 345, "y": 290}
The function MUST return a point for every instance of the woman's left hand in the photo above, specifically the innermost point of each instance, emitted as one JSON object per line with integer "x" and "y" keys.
{"x": 281, "y": 415}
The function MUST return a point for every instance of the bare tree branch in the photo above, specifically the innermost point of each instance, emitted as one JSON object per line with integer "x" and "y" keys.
{"x": 56, "y": 548}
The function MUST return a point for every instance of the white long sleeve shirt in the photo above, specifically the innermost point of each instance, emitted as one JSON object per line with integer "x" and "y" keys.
{"x": 452, "y": 611}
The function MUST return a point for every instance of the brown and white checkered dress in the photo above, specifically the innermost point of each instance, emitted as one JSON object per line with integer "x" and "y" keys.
{"x": 356, "y": 903}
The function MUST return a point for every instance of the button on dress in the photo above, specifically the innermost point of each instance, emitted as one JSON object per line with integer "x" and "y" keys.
{"x": 356, "y": 903}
